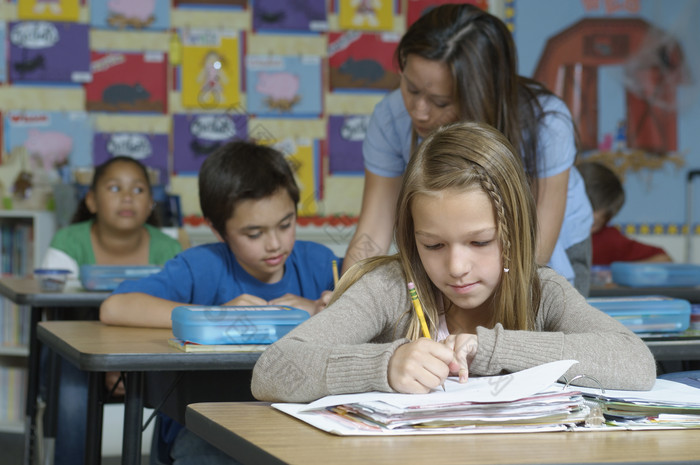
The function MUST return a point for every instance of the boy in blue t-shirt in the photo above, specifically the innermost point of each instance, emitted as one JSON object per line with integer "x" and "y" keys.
{"x": 249, "y": 198}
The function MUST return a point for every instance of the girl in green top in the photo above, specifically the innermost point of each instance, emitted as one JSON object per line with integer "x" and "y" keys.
{"x": 115, "y": 224}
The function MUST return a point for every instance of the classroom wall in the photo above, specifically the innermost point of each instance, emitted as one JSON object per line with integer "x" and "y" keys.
{"x": 659, "y": 200}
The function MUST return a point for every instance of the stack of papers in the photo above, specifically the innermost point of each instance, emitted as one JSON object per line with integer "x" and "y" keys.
{"x": 525, "y": 401}
{"x": 668, "y": 405}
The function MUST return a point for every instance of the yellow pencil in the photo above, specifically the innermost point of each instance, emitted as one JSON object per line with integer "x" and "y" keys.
{"x": 335, "y": 273}
{"x": 419, "y": 309}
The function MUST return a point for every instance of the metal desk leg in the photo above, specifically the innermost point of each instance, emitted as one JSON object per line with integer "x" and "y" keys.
{"x": 93, "y": 436}
{"x": 32, "y": 387}
{"x": 133, "y": 419}
{"x": 51, "y": 413}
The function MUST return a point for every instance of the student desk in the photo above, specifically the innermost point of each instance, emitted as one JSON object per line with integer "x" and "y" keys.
{"x": 98, "y": 348}
{"x": 254, "y": 432}
{"x": 26, "y": 291}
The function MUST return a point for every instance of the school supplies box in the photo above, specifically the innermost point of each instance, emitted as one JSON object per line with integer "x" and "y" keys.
{"x": 635, "y": 274}
{"x": 234, "y": 325}
{"x": 646, "y": 314}
{"x": 107, "y": 278}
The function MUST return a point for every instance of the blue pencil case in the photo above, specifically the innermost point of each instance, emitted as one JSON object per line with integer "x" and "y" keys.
{"x": 646, "y": 314}
{"x": 108, "y": 277}
{"x": 235, "y": 325}
{"x": 636, "y": 274}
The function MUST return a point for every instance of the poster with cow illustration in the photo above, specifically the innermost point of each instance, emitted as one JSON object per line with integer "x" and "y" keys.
{"x": 128, "y": 82}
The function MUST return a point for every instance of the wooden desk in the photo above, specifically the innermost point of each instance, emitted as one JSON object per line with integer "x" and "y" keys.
{"x": 256, "y": 433}
{"x": 98, "y": 348}
{"x": 26, "y": 291}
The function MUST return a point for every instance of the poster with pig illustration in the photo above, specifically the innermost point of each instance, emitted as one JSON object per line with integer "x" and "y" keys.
{"x": 195, "y": 136}
{"x": 51, "y": 10}
{"x": 370, "y": 15}
{"x": 345, "y": 136}
{"x": 55, "y": 142}
{"x": 3, "y": 52}
{"x": 362, "y": 60}
{"x": 284, "y": 85}
{"x": 127, "y": 82}
{"x": 210, "y": 68}
{"x": 141, "y": 15}
{"x": 149, "y": 149}
{"x": 49, "y": 52}
{"x": 293, "y": 15}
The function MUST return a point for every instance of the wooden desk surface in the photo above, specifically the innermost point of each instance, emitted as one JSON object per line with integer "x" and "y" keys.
{"x": 93, "y": 346}
{"x": 257, "y": 433}
{"x": 26, "y": 291}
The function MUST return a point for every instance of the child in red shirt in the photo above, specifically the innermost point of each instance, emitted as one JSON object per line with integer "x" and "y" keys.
{"x": 607, "y": 196}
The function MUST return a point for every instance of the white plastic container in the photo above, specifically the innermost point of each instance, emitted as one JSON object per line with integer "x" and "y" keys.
{"x": 108, "y": 277}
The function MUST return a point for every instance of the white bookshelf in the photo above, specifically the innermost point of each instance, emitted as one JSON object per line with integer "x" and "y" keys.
{"x": 37, "y": 229}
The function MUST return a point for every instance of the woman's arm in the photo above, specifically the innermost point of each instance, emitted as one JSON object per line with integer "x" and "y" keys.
{"x": 551, "y": 206}
{"x": 375, "y": 228}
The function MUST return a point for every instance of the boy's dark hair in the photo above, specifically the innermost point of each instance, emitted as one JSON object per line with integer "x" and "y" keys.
{"x": 83, "y": 213}
{"x": 603, "y": 188}
{"x": 238, "y": 171}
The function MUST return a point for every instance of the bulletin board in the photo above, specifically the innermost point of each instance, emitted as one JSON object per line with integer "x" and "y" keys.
{"x": 168, "y": 81}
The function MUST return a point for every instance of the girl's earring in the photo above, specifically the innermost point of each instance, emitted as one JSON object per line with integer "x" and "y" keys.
{"x": 506, "y": 270}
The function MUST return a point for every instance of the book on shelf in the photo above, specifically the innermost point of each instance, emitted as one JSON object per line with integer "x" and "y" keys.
{"x": 188, "y": 346}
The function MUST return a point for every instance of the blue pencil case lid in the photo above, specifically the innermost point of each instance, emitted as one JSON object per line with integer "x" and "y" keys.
{"x": 108, "y": 277}
{"x": 646, "y": 314}
{"x": 636, "y": 274}
{"x": 235, "y": 325}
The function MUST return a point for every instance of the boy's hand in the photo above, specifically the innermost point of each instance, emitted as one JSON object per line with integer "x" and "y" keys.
{"x": 419, "y": 366}
{"x": 247, "y": 300}
{"x": 296, "y": 301}
{"x": 464, "y": 346}
{"x": 322, "y": 302}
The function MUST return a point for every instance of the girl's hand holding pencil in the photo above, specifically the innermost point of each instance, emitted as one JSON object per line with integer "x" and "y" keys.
{"x": 464, "y": 348}
{"x": 420, "y": 366}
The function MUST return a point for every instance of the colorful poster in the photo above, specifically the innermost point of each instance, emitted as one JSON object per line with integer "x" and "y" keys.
{"x": 3, "y": 52}
{"x": 149, "y": 149}
{"x": 42, "y": 51}
{"x": 304, "y": 156}
{"x": 417, "y": 8}
{"x": 54, "y": 141}
{"x": 238, "y": 4}
{"x": 50, "y": 10}
{"x": 127, "y": 82}
{"x": 195, "y": 136}
{"x": 371, "y": 15}
{"x": 284, "y": 85}
{"x": 345, "y": 136}
{"x": 130, "y": 14}
{"x": 362, "y": 61}
{"x": 210, "y": 68}
{"x": 299, "y": 15}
